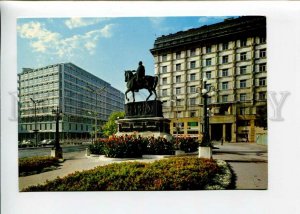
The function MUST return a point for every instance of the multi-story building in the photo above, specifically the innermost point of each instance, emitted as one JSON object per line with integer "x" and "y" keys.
{"x": 80, "y": 96}
{"x": 232, "y": 56}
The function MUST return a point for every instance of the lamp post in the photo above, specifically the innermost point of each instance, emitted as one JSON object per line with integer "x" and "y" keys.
{"x": 57, "y": 150}
{"x": 176, "y": 119}
{"x": 96, "y": 91}
{"x": 35, "y": 119}
{"x": 205, "y": 149}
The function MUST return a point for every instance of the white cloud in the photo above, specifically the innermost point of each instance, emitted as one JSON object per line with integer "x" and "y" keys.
{"x": 45, "y": 41}
{"x": 77, "y": 22}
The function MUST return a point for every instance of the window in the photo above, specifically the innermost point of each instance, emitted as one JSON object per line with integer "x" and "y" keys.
{"x": 208, "y": 100}
{"x": 164, "y": 69}
{"x": 243, "y": 43}
{"x": 208, "y": 49}
{"x": 192, "y": 77}
{"x": 262, "y": 53}
{"x": 242, "y": 111}
{"x": 243, "y": 69}
{"x": 262, "y": 67}
{"x": 262, "y": 81}
{"x": 164, "y": 92}
{"x": 178, "y": 90}
{"x": 208, "y": 86}
{"x": 192, "y": 101}
{"x": 178, "y": 102}
{"x": 178, "y": 55}
{"x": 243, "y": 84}
{"x": 193, "y": 52}
{"x": 164, "y": 57}
{"x": 224, "y": 72}
{"x": 224, "y": 59}
{"x": 165, "y": 81}
{"x": 208, "y": 75}
{"x": 242, "y": 97}
{"x": 243, "y": 56}
{"x": 262, "y": 40}
{"x": 208, "y": 62}
{"x": 193, "y": 64}
{"x": 262, "y": 95}
{"x": 225, "y": 46}
{"x": 225, "y": 98}
{"x": 224, "y": 85}
{"x": 193, "y": 114}
{"x": 178, "y": 67}
{"x": 178, "y": 79}
{"x": 193, "y": 89}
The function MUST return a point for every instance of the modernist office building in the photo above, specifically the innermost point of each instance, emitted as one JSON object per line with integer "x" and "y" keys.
{"x": 232, "y": 55}
{"x": 80, "y": 95}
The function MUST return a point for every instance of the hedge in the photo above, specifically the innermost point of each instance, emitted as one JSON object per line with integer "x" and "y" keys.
{"x": 131, "y": 146}
{"x": 30, "y": 165}
{"x": 184, "y": 173}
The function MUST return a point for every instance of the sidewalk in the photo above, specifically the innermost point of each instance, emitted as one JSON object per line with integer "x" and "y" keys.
{"x": 249, "y": 162}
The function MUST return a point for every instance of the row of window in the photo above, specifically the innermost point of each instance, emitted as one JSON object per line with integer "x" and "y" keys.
{"x": 40, "y": 74}
{"x": 224, "y": 73}
{"x": 209, "y": 48}
{"x": 49, "y": 126}
{"x": 223, "y": 98}
{"x": 208, "y": 62}
{"x": 223, "y": 86}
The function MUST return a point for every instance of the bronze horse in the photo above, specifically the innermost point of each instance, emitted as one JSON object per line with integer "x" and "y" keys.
{"x": 149, "y": 83}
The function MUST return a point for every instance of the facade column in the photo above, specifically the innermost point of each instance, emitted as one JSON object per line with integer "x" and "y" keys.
{"x": 233, "y": 133}
{"x": 224, "y": 132}
{"x": 252, "y": 132}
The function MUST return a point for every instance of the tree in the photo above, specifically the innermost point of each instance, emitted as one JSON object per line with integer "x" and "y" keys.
{"x": 110, "y": 127}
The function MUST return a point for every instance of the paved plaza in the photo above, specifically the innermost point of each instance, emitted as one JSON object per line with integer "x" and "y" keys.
{"x": 248, "y": 161}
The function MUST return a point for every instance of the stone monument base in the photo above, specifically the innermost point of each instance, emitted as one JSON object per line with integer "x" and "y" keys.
{"x": 145, "y": 127}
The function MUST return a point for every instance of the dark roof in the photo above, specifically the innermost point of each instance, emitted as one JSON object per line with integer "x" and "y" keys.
{"x": 226, "y": 30}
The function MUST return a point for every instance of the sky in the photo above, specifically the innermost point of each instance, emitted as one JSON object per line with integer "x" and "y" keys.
{"x": 105, "y": 47}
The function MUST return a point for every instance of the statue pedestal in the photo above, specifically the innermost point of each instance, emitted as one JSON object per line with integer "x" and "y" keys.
{"x": 144, "y": 119}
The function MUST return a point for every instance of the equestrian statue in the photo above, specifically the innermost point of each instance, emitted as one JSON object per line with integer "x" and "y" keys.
{"x": 137, "y": 80}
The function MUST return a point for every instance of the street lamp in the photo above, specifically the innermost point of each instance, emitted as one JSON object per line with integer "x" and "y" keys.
{"x": 57, "y": 150}
{"x": 176, "y": 118}
{"x": 96, "y": 91}
{"x": 206, "y": 146}
{"x": 35, "y": 118}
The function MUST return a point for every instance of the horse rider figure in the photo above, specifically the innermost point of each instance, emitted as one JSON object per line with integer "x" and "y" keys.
{"x": 140, "y": 75}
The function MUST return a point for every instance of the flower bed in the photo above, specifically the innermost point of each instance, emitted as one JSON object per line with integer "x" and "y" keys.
{"x": 33, "y": 165}
{"x": 184, "y": 173}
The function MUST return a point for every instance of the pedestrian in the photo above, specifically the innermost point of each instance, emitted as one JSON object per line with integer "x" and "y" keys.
{"x": 222, "y": 141}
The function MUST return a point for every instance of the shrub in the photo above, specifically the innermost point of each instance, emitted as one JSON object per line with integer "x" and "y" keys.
{"x": 158, "y": 146}
{"x": 97, "y": 148}
{"x": 35, "y": 164}
{"x": 184, "y": 173}
{"x": 188, "y": 144}
{"x": 123, "y": 147}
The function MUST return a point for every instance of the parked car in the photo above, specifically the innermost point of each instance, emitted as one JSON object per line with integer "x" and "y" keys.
{"x": 43, "y": 142}
{"x": 47, "y": 142}
{"x": 27, "y": 143}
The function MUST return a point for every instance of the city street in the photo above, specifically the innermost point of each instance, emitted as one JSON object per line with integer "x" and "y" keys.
{"x": 46, "y": 151}
{"x": 248, "y": 161}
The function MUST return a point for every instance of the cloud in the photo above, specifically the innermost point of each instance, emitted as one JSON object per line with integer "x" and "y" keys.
{"x": 45, "y": 41}
{"x": 82, "y": 22}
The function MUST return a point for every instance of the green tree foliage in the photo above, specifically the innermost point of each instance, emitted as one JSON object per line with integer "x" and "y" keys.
{"x": 110, "y": 127}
